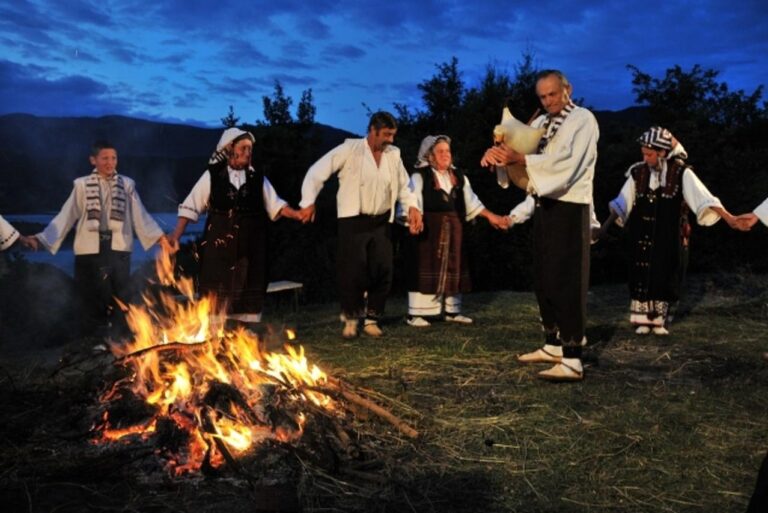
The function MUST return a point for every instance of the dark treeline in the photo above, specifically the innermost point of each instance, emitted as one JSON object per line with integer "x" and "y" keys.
{"x": 723, "y": 131}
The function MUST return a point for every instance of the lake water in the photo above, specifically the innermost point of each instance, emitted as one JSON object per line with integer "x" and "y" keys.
{"x": 65, "y": 257}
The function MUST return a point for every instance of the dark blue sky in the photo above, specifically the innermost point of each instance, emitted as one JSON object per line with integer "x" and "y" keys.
{"x": 188, "y": 61}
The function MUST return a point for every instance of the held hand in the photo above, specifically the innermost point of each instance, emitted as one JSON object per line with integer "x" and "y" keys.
{"x": 730, "y": 219}
{"x": 29, "y": 242}
{"x": 745, "y": 222}
{"x": 169, "y": 243}
{"x": 290, "y": 213}
{"x": 307, "y": 214}
{"x": 499, "y": 222}
{"x": 415, "y": 222}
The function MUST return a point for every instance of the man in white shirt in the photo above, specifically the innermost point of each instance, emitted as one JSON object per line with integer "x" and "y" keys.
{"x": 372, "y": 179}
{"x": 560, "y": 176}
{"x": 107, "y": 209}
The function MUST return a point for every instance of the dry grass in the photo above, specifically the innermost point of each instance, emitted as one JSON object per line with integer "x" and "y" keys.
{"x": 673, "y": 424}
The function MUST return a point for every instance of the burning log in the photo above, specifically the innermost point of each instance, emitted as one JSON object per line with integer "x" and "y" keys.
{"x": 214, "y": 397}
{"x": 159, "y": 348}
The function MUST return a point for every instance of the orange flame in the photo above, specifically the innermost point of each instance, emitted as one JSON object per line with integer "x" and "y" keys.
{"x": 180, "y": 359}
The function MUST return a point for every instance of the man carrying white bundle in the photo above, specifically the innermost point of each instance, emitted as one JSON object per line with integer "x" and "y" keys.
{"x": 560, "y": 176}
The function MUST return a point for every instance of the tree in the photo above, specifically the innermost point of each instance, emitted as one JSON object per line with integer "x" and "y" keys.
{"x": 443, "y": 95}
{"x": 697, "y": 96}
{"x": 277, "y": 108}
{"x": 230, "y": 120}
{"x": 305, "y": 112}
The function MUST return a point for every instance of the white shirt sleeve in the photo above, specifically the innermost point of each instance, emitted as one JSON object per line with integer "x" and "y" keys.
{"x": 321, "y": 171}
{"x": 623, "y": 203}
{"x": 8, "y": 234}
{"x": 416, "y": 184}
{"x": 405, "y": 195}
{"x": 272, "y": 202}
{"x": 53, "y": 234}
{"x": 471, "y": 202}
{"x": 523, "y": 211}
{"x": 146, "y": 228}
{"x": 196, "y": 202}
{"x": 762, "y": 212}
{"x": 699, "y": 199}
{"x": 594, "y": 224}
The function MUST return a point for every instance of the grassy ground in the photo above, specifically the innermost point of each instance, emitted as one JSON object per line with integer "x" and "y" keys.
{"x": 672, "y": 424}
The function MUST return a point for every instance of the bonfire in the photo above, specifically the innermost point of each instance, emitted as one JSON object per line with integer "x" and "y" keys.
{"x": 205, "y": 397}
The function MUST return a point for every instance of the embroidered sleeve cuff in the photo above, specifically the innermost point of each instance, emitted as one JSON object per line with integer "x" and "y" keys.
{"x": 189, "y": 213}
{"x": 7, "y": 242}
{"x": 705, "y": 216}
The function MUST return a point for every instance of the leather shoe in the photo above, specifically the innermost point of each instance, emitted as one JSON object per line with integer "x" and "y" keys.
{"x": 417, "y": 322}
{"x": 539, "y": 356}
{"x": 350, "y": 328}
{"x": 561, "y": 372}
{"x": 461, "y": 319}
{"x": 372, "y": 329}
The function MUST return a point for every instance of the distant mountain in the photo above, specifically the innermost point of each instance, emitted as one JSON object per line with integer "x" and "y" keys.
{"x": 40, "y": 156}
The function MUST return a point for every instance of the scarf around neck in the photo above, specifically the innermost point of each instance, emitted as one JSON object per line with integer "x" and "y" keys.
{"x": 553, "y": 124}
{"x": 93, "y": 204}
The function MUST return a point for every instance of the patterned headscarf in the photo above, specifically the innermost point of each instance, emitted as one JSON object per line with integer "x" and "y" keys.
{"x": 657, "y": 138}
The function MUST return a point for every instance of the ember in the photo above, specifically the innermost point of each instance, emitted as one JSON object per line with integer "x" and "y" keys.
{"x": 208, "y": 395}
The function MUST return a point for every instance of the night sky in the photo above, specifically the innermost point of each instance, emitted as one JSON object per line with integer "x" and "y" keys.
{"x": 188, "y": 61}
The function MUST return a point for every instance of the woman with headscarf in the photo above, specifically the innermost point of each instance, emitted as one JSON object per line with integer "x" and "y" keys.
{"x": 437, "y": 265}
{"x": 239, "y": 200}
{"x": 653, "y": 206}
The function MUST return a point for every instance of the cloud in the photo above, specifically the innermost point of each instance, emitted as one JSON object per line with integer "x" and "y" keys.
{"x": 245, "y": 55}
{"x": 25, "y": 89}
{"x": 343, "y": 51}
{"x": 314, "y": 28}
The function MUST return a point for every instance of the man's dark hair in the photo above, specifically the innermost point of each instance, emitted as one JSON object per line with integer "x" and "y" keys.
{"x": 382, "y": 119}
{"x": 554, "y": 72}
{"x": 101, "y": 145}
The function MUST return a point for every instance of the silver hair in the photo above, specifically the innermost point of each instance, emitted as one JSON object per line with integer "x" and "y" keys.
{"x": 556, "y": 73}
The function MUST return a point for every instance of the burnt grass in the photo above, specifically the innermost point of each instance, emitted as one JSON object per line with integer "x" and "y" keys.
{"x": 673, "y": 423}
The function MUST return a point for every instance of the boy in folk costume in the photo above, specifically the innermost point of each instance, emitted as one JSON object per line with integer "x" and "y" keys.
{"x": 437, "y": 267}
{"x": 106, "y": 210}
{"x": 653, "y": 205}
{"x": 240, "y": 201}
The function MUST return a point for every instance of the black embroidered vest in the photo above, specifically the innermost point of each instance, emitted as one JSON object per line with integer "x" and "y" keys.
{"x": 248, "y": 200}
{"x": 436, "y": 199}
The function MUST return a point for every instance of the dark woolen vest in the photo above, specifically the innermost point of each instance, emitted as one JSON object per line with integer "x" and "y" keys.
{"x": 436, "y": 199}
{"x": 655, "y": 236}
{"x": 233, "y": 260}
{"x": 424, "y": 275}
